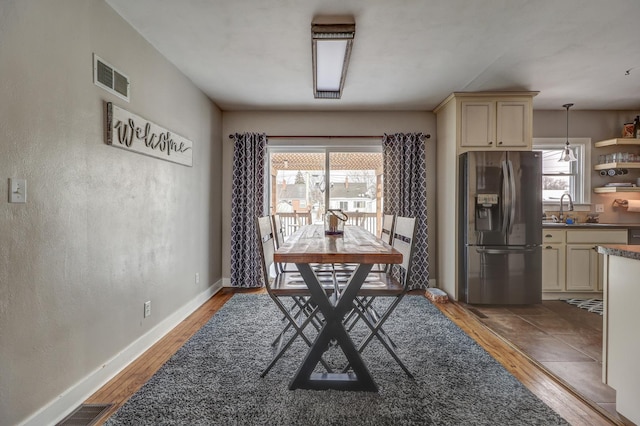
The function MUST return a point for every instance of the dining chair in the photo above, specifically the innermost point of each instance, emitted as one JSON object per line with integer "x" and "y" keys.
{"x": 278, "y": 233}
{"x": 388, "y": 222}
{"x": 282, "y": 287}
{"x": 392, "y": 284}
{"x": 278, "y": 230}
{"x": 386, "y": 234}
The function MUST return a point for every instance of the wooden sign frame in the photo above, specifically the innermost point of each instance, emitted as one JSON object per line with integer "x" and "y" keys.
{"x": 131, "y": 132}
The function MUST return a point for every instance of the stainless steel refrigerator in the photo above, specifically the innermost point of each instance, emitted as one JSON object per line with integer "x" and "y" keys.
{"x": 500, "y": 227}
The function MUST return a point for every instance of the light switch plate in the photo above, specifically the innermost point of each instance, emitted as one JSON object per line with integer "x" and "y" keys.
{"x": 599, "y": 208}
{"x": 17, "y": 190}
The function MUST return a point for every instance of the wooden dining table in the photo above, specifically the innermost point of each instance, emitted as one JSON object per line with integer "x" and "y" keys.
{"x": 356, "y": 246}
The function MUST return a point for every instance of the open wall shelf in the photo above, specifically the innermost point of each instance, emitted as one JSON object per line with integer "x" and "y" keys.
{"x": 617, "y": 141}
{"x": 605, "y": 166}
{"x": 608, "y": 189}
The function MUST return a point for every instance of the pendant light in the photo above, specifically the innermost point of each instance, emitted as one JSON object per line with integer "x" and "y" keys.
{"x": 567, "y": 154}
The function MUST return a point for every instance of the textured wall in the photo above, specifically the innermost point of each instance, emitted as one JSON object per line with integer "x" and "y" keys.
{"x": 104, "y": 229}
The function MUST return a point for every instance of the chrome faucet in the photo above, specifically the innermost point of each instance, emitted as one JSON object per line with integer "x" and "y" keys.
{"x": 566, "y": 194}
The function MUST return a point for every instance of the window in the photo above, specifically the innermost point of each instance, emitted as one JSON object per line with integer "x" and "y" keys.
{"x": 559, "y": 177}
{"x": 307, "y": 179}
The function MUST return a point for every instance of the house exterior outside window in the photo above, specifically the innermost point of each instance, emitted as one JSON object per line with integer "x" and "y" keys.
{"x": 562, "y": 177}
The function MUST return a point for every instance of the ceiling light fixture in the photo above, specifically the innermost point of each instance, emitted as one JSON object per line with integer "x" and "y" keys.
{"x": 567, "y": 153}
{"x": 331, "y": 41}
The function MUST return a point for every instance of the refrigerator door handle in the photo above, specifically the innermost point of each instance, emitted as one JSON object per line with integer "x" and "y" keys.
{"x": 512, "y": 199}
{"x": 505, "y": 251}
{"x": 505, "y": 196}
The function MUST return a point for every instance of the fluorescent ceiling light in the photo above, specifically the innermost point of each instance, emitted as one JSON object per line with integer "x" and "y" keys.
{"x": 331, "y": 41}
{"x": 329, "y": 61}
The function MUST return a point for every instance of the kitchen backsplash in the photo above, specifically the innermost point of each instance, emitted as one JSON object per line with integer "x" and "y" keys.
{"x": 580, "y": 216}
{"x": 611, "y": 214}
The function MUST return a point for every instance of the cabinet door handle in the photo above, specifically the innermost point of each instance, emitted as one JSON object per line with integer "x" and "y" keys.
{"x": 500, "y": 143}
{"x": 548, "y": 236}
{"x": 490, "y": 142}
{"x": 548, "y": 247}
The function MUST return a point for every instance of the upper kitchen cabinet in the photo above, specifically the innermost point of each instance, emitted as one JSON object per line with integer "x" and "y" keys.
{"x": 496, "y": 120}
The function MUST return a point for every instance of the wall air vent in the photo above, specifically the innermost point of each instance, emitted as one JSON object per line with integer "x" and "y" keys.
{"x": 110, "y": 79}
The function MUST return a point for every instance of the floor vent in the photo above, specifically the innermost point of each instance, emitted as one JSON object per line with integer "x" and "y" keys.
{"x": 85, "y": 415}
{"x": 477, "y": 313}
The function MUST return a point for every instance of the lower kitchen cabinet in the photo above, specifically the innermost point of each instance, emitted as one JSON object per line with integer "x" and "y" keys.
{"x": 582, "y": 267}
{"x": 553, "y": 267}
{"x": 553, "y": 260}
{"x": 571, "y": 266}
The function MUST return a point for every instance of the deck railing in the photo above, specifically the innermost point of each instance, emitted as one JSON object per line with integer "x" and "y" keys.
{"x": 292, "y": 221}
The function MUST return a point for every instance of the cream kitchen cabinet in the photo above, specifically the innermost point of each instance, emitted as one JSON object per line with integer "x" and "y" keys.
{"x": 553, "y": 260}
{"x": 571, "y": 267}
{"x": 582, "y": 267}
{"x": 487, "y": 120}
{"x": 583, "y": 241}
{"x": 496, "y": 124}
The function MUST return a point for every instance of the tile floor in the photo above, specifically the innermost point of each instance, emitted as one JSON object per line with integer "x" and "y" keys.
{"x": 563, "y": 338}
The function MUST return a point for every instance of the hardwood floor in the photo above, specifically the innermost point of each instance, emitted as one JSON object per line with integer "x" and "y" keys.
{"x": 565, "y": 402}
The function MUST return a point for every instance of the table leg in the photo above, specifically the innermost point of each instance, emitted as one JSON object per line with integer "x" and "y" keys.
{"x": 333, "y": 328}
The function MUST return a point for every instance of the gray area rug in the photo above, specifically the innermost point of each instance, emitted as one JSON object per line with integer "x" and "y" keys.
{"x": 591, "y": 305}
{"x": 214, "y": 379}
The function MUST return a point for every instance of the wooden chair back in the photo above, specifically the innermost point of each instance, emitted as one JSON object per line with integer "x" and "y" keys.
{"x": 388, "y": 221}
{"x": 403, "y": 241}
{"x": 266, "y": 244}
{"x": 278, "y": 231}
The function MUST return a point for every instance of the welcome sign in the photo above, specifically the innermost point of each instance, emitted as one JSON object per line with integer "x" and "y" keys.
{"x": 131, "y": 132}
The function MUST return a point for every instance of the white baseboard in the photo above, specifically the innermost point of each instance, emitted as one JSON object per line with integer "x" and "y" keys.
{"x": 71, "y": 398}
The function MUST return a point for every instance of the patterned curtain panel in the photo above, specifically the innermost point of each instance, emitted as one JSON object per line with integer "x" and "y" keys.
{"x": 405, "y": 193}
{"x": 247, "y": 202}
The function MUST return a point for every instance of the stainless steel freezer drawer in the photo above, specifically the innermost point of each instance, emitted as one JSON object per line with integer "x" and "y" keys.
{"x": 504, "y": 275}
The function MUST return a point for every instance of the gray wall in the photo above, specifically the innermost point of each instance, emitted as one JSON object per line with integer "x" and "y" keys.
{"x": 104, "y": 229}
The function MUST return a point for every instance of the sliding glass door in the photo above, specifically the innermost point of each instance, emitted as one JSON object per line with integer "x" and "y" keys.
{"x": 356, "y": 187}
{"x": 306, "y": 181}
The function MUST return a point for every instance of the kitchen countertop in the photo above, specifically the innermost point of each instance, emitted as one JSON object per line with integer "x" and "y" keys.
{"x": 585, "y": 225}
{"x": 622, "y": 250}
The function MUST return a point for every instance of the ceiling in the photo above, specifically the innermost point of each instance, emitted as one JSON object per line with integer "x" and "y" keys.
{"x": 407, "y": 54}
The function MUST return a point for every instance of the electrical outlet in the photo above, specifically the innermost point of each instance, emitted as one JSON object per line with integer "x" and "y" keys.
{"x": 599, "y": 208}
{"x": 147, "y": 308}
{"x": 197, "y": 278}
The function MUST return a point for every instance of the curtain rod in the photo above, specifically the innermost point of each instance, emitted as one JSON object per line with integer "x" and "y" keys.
{"x": 428, "y": 136}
